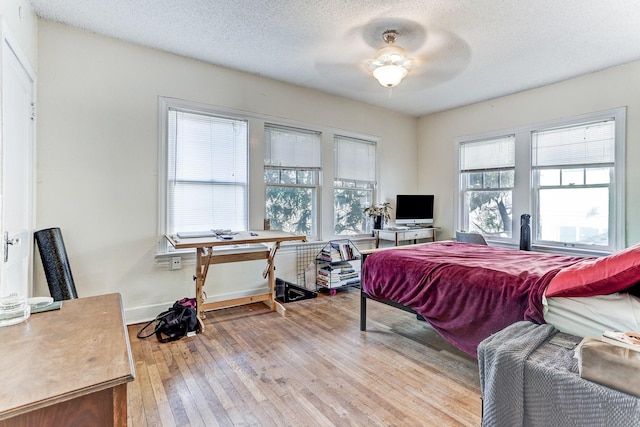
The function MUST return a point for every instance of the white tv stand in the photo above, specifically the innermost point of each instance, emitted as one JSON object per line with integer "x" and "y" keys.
{"x": 401, "y": 235}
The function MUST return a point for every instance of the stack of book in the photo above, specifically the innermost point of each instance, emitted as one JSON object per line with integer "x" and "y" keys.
{"x": 337, "y": 275}
{"x": 337, "y": 251}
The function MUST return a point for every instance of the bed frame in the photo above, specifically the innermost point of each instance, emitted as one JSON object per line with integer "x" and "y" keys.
{"x": 363, "y": 308}
{"x": 365, "y": 296}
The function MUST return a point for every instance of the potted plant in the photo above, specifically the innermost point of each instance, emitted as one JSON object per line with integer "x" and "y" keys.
{"x": 378, "y": 213}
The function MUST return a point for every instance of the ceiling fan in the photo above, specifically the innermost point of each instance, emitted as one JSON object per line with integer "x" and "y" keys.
{"x": 397, "y": 53}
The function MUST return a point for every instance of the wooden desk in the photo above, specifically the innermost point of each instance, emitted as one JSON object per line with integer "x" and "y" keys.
{"x": 67, "y": 367}
{"x": 205, "y": 256}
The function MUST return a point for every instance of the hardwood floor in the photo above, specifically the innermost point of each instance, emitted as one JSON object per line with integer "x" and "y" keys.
{"x": 251, "y": 367}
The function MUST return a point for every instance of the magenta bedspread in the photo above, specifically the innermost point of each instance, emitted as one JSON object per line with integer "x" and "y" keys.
{"x": 465, "y": 291}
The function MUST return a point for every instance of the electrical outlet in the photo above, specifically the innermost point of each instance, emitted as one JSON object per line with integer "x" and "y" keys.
{"x": 175, "y": 263}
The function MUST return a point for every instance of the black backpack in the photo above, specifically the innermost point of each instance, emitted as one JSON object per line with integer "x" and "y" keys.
{"x": 175, "y": 323}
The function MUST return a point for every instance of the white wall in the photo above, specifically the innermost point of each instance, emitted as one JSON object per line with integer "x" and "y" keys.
{"x": 615, "y": 87}
{"x": 97, "y": 154}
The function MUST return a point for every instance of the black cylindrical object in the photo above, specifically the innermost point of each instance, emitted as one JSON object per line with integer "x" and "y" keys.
{"x": 525, "y": 232}
{"x": 56, "y": 264}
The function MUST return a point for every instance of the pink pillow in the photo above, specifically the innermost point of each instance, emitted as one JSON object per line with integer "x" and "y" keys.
{"x": 599, "y": 276}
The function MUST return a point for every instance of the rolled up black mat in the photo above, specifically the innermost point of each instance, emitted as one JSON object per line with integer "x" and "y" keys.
{"x": 56, "y": 264}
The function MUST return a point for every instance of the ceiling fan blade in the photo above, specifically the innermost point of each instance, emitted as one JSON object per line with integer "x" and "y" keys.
{"x": 351, "y": 76}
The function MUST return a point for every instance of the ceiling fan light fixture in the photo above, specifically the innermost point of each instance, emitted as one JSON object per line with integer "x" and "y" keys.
{"x": 391, "y": 61}
{"x": 391, "y": 54}
{"x": 390, "y": 75}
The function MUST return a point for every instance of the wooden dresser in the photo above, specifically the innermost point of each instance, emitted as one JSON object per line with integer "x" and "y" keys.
{"x": 67, "y": 367}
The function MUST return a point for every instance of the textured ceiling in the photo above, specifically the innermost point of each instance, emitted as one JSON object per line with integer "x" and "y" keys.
{"x": 466, "y": 50}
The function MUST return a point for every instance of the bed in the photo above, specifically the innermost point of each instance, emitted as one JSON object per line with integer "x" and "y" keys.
{"x": 468, "y": 292}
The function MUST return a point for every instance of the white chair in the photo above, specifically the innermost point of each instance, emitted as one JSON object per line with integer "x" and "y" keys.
{"x": 467, "y": 237}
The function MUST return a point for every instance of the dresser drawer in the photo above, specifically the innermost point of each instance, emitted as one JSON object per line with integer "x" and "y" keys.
{"x": 426, "y": 233}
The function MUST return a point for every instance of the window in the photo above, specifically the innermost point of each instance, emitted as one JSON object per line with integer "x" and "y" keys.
{"x": 573, "y": 181}
{"x": 354, "y": 184}
{"x": 205, "y": 162}
{"x": 567, "y": 174}
{"x": 487, "y": 170}
{"x": 291, "y": 175}
{"x": 206, "y": 178}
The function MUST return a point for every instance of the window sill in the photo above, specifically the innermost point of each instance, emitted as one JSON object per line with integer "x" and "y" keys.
{"x": 552, "y": 249}
{"x": 570, "y": 251}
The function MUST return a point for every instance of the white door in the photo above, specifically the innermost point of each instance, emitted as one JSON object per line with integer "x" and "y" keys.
{"x": 17, "y": 153}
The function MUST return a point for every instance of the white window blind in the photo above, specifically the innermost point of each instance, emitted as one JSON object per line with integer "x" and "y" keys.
{"x": 587, "y": 144}
{"x": 355, "y": 159}
{"x": 498, "y": 153}
{"x": 290, "y": 147}
{"x": 207, "y": 172}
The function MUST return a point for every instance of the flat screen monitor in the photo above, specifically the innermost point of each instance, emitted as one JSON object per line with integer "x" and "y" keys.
{"x": 414, "y": 209}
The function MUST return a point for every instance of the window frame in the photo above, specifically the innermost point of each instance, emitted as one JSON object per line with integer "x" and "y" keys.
{"x": 616, "y": 185}
{"x": 165, "y": 105}
{"x": 465, "y": 188}
{"x": 356, "y": 184}
{"x": 524, "y": 192}
{"x": 315, "y": 170}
